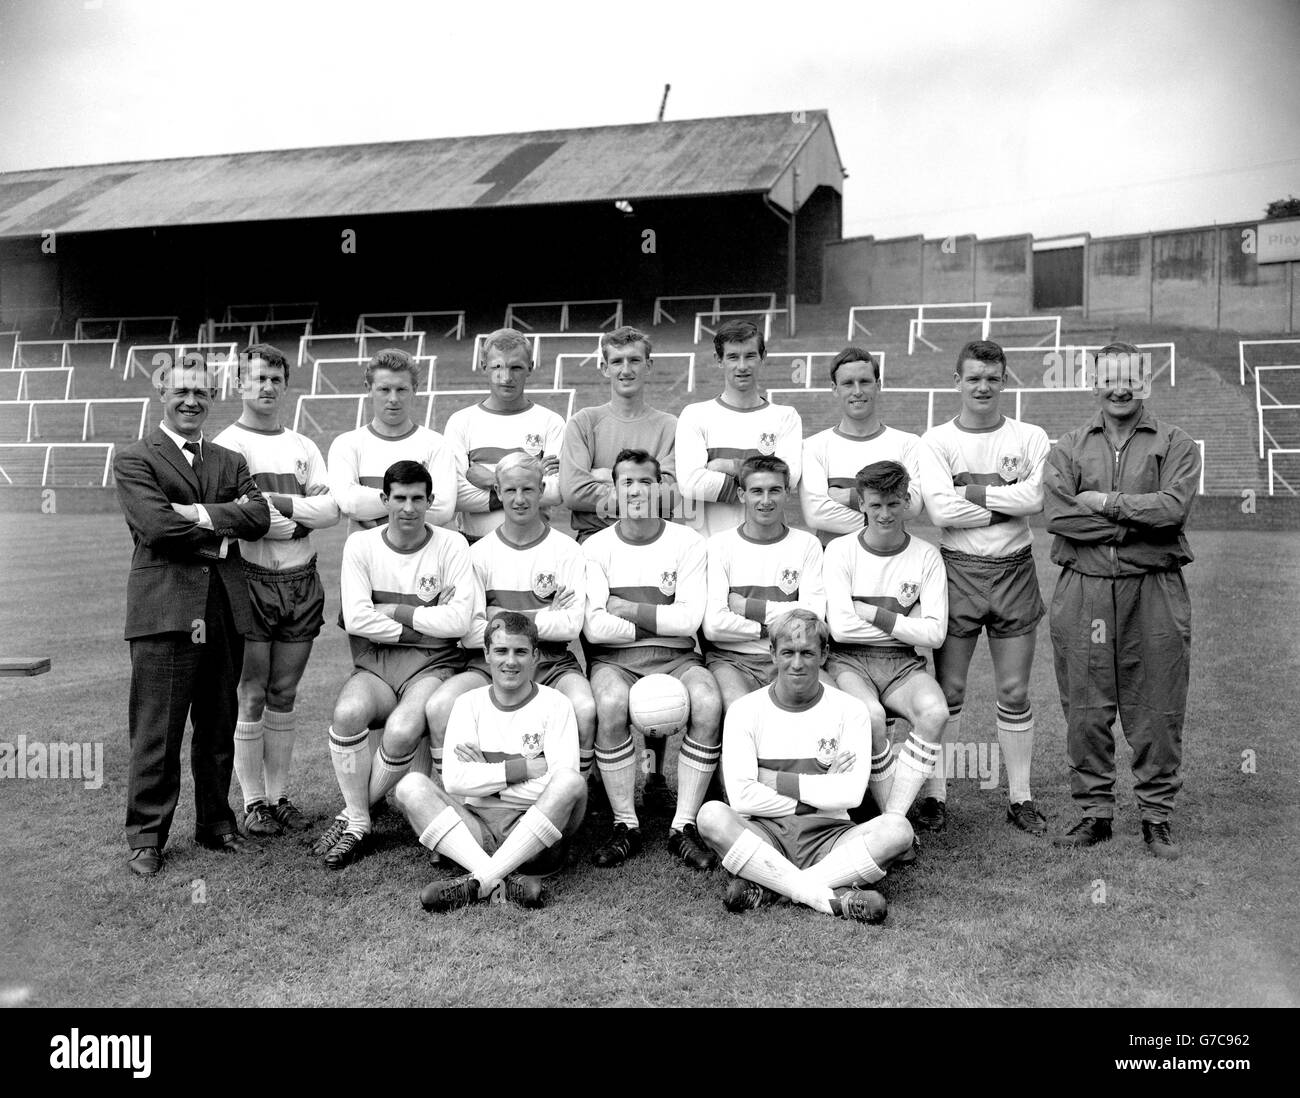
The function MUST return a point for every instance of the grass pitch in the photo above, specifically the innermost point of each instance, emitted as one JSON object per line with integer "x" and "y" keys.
{"x": 987, "y": 916}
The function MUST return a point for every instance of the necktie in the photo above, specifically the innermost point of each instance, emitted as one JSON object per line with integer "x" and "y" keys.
{"x": 197, "y": 463}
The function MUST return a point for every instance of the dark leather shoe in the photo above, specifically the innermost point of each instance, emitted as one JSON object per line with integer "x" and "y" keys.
{"x": 228, "y": 842}
{"x": 145, "y": 861}
{"x": 1089, "y": 831}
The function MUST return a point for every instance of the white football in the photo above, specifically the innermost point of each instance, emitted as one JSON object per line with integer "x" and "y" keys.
{"x": 658, "y": 705}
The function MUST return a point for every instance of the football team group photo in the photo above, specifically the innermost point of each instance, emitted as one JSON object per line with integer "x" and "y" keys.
{"x": 685, "y": 507}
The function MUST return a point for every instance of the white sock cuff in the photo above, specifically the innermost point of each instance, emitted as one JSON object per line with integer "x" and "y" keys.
{"x": 919, "y": 755}
{"x": 438, "y": 827}
{"x": 540, "y": 825}
{"x": 741, "y": 851}
{"x": 279, "y": 722}
{"x": 699, "y": 756}
{"x": 619, "y": 757}
{"x": 402, "y": 760}
{"x": 356, "y": 742}
{"x": 1015, "y": 722}
{"x": 248, "y": 730}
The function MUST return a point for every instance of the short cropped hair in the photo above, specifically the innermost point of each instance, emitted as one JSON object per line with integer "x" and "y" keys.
{"x": 520, "y": 459}
{"x": 408, "y": 472}
{"x": 390, "y": 358}
{"x": 983, "y": 350}
{"x": 763, "y": 463}
{"x": 272, "y": 356}
{"x": 510, "y": 622}
{"x": 738, "y": 331}
{"x": 1118, "y": 347}
{"x": 854, "y": 354}
{"x": 889, "y": 478}
{"x": 636, "y": 457}
{"x": 622, "y": 337}
{"x": 506, "y": 340}
{"x": 810, "y": 622}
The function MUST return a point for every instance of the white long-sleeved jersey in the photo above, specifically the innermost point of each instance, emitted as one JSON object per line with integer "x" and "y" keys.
{"x": 800, "y": 745}
{"x": 508, "y": 737}
{"x": 480, "y": 436}
{"x": 713, "y": 429}
{"x": 284, "y": 463}
{"x": 832, "y": 460}
{"x": 1002, "y": 470}
{"x": 374, "y": 573}
{"x": 357, "y": 463}
{"x": 773, "y": 577}
{"x": 909, "y": 588}
{"x": 667, "y": 576}
{"x": 525, "y": 578}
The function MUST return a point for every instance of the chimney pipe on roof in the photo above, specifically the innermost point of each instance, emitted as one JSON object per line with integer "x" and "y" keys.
{"x": 663, "y": 102}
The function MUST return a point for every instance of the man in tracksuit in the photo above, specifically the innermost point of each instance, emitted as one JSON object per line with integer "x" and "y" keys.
{"x": 1117, "y": 492}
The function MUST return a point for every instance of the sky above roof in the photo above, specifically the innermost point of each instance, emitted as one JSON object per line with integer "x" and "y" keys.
{"x": 1106, "y": 116}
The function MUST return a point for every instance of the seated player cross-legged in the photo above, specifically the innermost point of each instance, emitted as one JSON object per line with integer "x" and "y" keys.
{"x": 526, "y": 567}
{"x": 408, "y": 597}
{"x": 512, "y": 754}
{"x": 886, "y": 592}
{"x": 793, "y": 763}
{"x": 646, "y": 589}
{"x": 757, "y": 572}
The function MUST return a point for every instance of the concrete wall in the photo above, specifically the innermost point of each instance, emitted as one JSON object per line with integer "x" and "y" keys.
{"x": 908, "y": 270}
{"x": 1004, "y": 274}
{"x": 1207, "y": 277}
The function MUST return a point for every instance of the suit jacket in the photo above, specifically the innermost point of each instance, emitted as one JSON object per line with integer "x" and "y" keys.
{"x": 172, "y": 566}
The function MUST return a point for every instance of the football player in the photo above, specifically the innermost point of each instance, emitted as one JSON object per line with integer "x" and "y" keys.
{"x": 285, "y": 591}
{"x": 982, "y": 476}
{"x": 715, "y": 436}
{"x": 528, "y": 568}
{"x": 512, "y": 754}
{"x": 757, "y": 573}
{"x": 886, "y": 594}
{"x": 1118, "y": 493}
{"x": 408, "y": 598}
{"x": 506, "y": 422}
{"x": 357, "y": 459}
{"x": 646, "y": 589}
{"x": 594, "y": 436}
{"x": 832, "y": 458}
{"x": 793, "y": 763}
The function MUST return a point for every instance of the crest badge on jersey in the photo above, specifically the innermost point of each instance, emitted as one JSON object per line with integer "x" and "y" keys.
{"x": 788, "y": 580}
{"x": 826, "y": 748}
{"x": 907, "y": 592}
{"x": 1009, "y": 467}
{"x": 767, "y": 443}
{"x": 427, "y": 586}
{"x": 533, "y": 444}
{"x": 544, "y": 585}
{"x": 531, "y": 744}
{"x": 668, "y": 583}
{"x": 300, "y": 470}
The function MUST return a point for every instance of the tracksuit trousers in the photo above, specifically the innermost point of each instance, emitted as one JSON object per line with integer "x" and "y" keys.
{"x": 1122, "y": 645}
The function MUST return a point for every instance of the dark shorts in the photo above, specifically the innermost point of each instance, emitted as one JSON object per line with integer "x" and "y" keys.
{"x": 288, "y": 605}
{"x": 757, "y": 671}
{"x": 881, "y": 666}
{"x": 804, "y": 840}
{"x": 401, "y": 666}
{"x": 493, "y": 824}
{"x": 553, "y": 663}
{"x": 995, "y": 593}
{"x": 639, "y": 660}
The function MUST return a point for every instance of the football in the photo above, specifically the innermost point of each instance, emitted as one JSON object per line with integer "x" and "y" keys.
{"x": 658, "y": 706}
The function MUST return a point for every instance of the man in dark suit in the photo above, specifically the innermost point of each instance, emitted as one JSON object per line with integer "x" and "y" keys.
{"x": 186, "y": 501}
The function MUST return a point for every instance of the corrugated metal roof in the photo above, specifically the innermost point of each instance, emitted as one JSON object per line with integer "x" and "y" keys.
{"x": 706, "y": 156}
